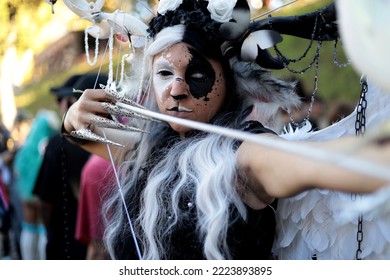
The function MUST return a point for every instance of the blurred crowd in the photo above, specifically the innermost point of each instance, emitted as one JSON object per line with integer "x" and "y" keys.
{"x": 42, "y": 180}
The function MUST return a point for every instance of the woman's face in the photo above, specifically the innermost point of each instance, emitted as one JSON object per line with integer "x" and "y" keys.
{"x": 188, "y": 85}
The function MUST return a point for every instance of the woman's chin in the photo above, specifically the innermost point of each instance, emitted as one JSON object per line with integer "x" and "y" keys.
{"x": 182, "y": 130}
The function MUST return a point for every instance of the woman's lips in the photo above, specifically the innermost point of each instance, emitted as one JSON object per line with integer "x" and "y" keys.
{"x": 179, "y": 111}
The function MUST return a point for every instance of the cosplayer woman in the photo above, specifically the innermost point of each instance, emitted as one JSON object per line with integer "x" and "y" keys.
{"x": 191, "y": 194}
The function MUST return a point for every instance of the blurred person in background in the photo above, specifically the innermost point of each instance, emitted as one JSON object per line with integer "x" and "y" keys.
{"x": 7, "y": 208}
{"x": 58, "y": 182}
{"x": 12, "y": 208}
{"x": 96, "y": 179}
{"x": 27, "y": 162}
{"x": 340, "y": 110}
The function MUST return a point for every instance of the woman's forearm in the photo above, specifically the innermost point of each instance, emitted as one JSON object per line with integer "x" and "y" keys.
{"x": 283, "y": 174}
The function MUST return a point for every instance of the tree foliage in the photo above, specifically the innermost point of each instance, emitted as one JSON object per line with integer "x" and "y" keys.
{"x": 22, "y": 21}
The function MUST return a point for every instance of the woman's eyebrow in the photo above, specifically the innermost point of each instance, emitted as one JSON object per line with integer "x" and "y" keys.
{"x": 162, "y": 62}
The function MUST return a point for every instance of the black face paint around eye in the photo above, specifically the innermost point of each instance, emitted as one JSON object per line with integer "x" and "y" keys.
{"x": 200, "y": 75}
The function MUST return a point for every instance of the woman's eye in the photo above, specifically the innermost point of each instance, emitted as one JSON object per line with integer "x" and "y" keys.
{"x": 164, "y": 73}
{"x": 199, "y": 76}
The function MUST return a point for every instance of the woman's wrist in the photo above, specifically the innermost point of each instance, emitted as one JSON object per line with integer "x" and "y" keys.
{"x": 63, "y": 129}
{"x": 64, "y": 132}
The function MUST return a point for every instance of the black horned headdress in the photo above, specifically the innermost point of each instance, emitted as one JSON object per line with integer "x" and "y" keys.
{"x": 228, "y": 24}
{"x": 225, "y": 23}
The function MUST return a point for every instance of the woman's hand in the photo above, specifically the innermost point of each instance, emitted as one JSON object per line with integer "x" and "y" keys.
{"x": 89, "y": 105}
{"x": 81, "y": 115}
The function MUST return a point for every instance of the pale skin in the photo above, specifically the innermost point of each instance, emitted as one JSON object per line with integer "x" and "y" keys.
{"x": 269, "y": 173}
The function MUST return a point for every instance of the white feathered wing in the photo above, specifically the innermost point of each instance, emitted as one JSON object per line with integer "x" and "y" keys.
{"x": 323, "y": 224}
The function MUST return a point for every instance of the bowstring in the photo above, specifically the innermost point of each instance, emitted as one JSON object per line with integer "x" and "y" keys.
{"x": 274, "y": 10}
{"x": 137, "y": 247}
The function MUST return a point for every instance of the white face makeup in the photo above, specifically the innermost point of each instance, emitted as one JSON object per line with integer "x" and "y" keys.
{"x": 187, "y": 85}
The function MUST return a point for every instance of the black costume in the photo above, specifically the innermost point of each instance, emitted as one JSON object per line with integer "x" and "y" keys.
{"x": 58, "y": 185}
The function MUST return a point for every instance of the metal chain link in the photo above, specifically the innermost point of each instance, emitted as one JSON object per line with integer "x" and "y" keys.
{"x": 335, "y": 60}
{"x": 285, "y": 60}
{"x": 65, "y": 205}
{"x": 360, "y": 123}
{"x": 360, "y": 129}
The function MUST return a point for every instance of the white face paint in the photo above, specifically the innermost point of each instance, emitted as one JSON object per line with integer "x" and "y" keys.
{"x": 165, "y": 78}
{"x": 162, "y": 76}
{"x": 187, "y": 85}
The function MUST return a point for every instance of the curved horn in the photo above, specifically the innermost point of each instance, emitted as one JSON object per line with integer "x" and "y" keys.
{"x": 302, "y": 25}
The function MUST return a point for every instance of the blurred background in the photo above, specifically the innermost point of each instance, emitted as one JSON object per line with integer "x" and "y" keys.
{"x": 40, "y": 49}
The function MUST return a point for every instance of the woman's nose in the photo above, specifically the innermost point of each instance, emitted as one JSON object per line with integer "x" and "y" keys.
{"x": 179, "y": 89}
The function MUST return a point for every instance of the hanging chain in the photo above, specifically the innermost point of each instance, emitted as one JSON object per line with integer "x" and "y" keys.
{"x": 360, "y": 128}
{"x": 360, "y": 123}
{"x": 335, "y": 60}
{"x": 313, "y": 96}
{"x": 285, "y": 60}
{"x": 359, "y": 237}
{"x": 86, "y": 46}
{"x": 65, "y": 204}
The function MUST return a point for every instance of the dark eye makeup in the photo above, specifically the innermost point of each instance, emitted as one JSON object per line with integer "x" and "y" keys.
{"x": 200, "y": 75}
